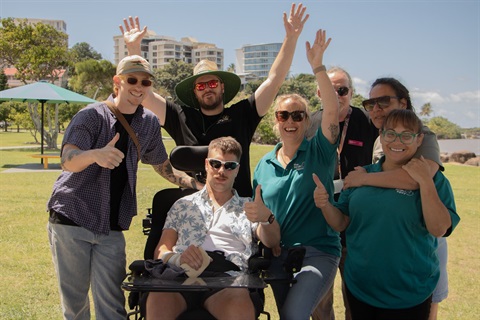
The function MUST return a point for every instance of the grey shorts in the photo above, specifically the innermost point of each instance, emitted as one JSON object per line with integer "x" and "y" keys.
{"x": 441, "y": 290}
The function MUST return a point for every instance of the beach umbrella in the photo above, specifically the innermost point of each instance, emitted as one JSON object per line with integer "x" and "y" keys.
{"x": 43, "y": 92}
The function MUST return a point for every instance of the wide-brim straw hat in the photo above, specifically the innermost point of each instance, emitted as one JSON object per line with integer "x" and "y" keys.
{"x": 184, "y": 89}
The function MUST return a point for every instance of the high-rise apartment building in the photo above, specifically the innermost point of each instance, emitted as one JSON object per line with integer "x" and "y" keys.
{"x": 58, "y": 25}
{"x": 159, "y": 50}
{"x": 257, "y": 59}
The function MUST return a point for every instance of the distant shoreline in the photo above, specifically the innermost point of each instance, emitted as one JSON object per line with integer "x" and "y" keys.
{"x": 455, "y": 145}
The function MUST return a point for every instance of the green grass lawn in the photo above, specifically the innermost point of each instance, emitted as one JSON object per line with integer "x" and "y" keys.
{"x": 29, "y": 286}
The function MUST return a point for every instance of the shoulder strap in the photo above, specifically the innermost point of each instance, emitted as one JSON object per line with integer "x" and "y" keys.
{"x": 125, "y": 124}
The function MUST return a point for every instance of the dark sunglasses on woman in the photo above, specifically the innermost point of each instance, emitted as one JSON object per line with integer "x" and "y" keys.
{"x": 283, "y": 116}
{"x": 382, "y": 102}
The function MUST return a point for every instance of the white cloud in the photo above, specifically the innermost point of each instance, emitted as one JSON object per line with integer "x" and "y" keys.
{"x": 424, "y": 97}
{"x": 361, "y": 86}
{"x": 467, "y": 96}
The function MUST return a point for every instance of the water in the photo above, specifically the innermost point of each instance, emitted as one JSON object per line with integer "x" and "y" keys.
{"x": 453, "y": 145}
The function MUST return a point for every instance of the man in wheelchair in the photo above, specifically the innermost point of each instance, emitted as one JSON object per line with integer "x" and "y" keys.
{"x": 211, "y": 220}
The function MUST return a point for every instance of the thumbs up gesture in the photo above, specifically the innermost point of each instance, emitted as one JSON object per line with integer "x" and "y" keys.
{"x": 320, "y": 194}
{"x": 256, "y": 210}
{"x": 109, "y": 156}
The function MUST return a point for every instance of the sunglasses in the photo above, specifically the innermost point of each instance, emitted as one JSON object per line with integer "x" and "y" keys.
{"x": 217, "y": 164}
{"x": 382, "y": 102}
{"x": 283, "y": 116}
{"x": 342, "y": 91}
{"x": 405, "y": 137}
{"x": 133, "y": 81}
{"x": 212, "y": 84}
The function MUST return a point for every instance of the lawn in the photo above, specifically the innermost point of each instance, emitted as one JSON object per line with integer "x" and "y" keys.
{"x": 29, "y": 289}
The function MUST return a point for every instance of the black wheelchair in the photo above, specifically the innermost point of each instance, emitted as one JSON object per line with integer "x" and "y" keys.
{"x": 192, "y": 161}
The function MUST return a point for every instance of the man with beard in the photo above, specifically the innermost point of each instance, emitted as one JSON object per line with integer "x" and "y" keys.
{"x": 205, "y": 94}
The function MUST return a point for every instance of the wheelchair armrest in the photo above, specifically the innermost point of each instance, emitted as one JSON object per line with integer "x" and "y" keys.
{"x": 137, "y": 267}
{"x": 294, "y": 260}
{"x": 258, "y": 263}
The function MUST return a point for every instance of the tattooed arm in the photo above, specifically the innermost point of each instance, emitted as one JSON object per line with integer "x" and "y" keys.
{"x": 76, "y": 160}
{"x": 329, "y": 125}
{"x": 179, "y": 178}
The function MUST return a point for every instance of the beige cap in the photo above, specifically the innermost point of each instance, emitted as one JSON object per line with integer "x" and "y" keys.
{"x": 135, "y": 63}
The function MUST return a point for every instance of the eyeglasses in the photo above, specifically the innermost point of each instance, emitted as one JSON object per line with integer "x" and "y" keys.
{"x": 405, "y": 137}
{"x": 133, "y": 81}
{"x": 283, "y": 116}
{"x": 382, "y": 102}
{"x": 342, "y": 91}
{"x": 217, "y": 164}
{"x": 212, "y": 84}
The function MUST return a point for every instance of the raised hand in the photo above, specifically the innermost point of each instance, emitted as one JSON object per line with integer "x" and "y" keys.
{"x": 132, "y": 35}
{"x": 315, "y": 52}
{"x": 256, "y": 211}
{"x": 294, "y": 24}
{"x": 109, "y": 156}
{"x": 320, "y": 194}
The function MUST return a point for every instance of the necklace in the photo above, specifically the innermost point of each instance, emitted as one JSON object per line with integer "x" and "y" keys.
{"x": 211, "y": 121}
{"x": 282, "y": 157}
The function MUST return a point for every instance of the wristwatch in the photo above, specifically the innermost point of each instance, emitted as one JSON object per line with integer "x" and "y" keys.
{"x": 269, "y": 220}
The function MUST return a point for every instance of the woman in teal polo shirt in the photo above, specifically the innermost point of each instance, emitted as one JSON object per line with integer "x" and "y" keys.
{"x": 392, "y": 267}
{"x": 284, "y": 176}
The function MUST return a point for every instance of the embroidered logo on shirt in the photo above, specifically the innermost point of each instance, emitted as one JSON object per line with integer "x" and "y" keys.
{"x": 299, "y": 166}
{"x": 224, "y": 118}
{"x": 407, "y": 193}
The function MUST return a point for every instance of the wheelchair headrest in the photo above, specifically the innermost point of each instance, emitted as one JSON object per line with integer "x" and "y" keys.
{"x": 189, "y": 158}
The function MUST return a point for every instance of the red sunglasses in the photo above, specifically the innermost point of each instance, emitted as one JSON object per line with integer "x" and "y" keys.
{"x": 212, "y": 84}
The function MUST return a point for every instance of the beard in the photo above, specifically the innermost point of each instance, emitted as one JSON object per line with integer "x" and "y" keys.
{"x": 217, "y": 102}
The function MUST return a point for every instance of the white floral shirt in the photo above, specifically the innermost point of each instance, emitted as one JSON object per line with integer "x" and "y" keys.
{"x": 192, "y": 217}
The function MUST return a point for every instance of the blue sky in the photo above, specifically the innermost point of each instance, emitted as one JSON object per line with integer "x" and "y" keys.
{"x": 433, "y": 47}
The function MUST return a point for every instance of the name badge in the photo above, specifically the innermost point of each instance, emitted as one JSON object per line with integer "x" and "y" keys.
{"x": 355, "y": 143}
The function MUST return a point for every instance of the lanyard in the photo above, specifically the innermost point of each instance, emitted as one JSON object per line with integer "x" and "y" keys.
{"x": 342, "y": 139}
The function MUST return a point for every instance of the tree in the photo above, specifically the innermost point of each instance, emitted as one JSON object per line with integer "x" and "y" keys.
{"x": 443, "y": 128}
{"x": 4, "y": 109}
{"x": 426, "y": 110}
{"x": 18, "y": 115}
{"x": 3, "y": 80}
{"x": 93, "y": 78}
{"x": 231, "y": 67}
{"x": 83, "y": 51}
{"x": 304, "y": 85}
{"x": 167, "y": 77}
{"x": 38, "y": 52}
{"x": 357, "y": 100}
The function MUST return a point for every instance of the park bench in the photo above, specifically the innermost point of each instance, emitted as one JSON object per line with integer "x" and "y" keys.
{"x": 45, "y": 158}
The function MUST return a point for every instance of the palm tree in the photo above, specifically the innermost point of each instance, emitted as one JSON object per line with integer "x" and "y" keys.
{"x": 426, "y": 109}
{"x": 231, "y": 67}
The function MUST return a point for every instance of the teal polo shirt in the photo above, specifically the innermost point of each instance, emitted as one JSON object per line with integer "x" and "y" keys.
{"x": 392, "y": 261}
{"x": 288, "y": 193}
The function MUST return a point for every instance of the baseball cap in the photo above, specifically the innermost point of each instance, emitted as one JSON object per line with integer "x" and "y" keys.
{"x": 134, "y": 63}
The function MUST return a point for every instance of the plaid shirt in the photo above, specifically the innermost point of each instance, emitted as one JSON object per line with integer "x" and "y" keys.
{"x": 84, "y": 197}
